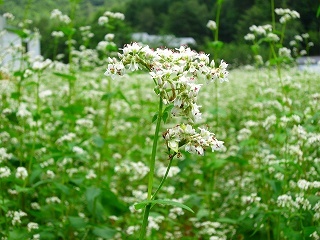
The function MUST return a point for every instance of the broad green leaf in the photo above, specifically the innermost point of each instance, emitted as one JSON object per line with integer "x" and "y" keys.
{"x": 77, "y": 222}
{"x": 104, "y": 232}
{"x": 202, "y": 213}
{"x": 92, "y": 193}
{"x": 163, "y": 202}
{"x": 318, "y": 12}
{"x": 62, "y": 188}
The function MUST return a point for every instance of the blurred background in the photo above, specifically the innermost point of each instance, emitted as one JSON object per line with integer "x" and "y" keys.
{"x": 181, "y": 18}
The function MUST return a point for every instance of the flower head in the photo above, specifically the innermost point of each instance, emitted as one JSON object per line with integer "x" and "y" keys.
{"x": 175, "y": 72}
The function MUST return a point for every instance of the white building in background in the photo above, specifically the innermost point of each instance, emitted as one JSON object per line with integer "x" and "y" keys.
{"x": 169, "y": 41}
{"x": 9, "y": 39}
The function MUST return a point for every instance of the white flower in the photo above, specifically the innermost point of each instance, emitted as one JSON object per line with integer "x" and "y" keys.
{"x": 285, "y": 52}
{"x": 32, "y": 225}
{"x": 103, "y": 20}
{"x": 16, "y": 216}
{"x": 8, "y": 16}
{"x": 212, "y": 25}
{"x": 78, "y": 150}
{"x": 4, "y": 172}
{"x": 249, "y": 37}
{"x": 52, "y": 200}
{"x": 91, "y": 174}
{"x": 194, "y": 142}
{"x": 109, "y": 37}
{"x": 57, "y": 34}
{"x": 21, "y": 173}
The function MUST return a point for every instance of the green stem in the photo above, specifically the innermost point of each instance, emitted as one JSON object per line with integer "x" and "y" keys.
{"x": 282, "y": 33}
{"x": 151, "y": 172}
{"x": 217, "y": 102}
{"x": 164, "y": 177}
{"x": 216, "y": 35}
{"x": 273, "y": 16}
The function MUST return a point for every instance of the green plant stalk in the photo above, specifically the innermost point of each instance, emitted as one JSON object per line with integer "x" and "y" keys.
{"x": 55, "y": 49}
{"x": 216, "y": 34}
{"x": 164, "y": 177}
{"x": 1, "y": 210}
{"x": 151, "y": 172}
{"x": 273, "y": 16}
{"x": 282, "y": 33}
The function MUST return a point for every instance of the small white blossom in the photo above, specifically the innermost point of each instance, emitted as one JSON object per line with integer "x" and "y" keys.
{"x": 212, "y": 25}
{"x": 31, "y": 226}
{"x": 21, "y": 173}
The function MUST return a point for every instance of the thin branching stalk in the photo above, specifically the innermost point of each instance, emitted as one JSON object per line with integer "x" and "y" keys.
{"x": 165, "y": 176}
{"x": 151, "y": 172}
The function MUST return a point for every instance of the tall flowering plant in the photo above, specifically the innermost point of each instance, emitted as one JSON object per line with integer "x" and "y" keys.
{"x": 177, "y": 75}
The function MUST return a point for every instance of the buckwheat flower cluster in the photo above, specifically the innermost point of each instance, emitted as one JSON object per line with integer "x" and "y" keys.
{"x": 193, "y": 142}
{"x": 285, "y": 52}
{"x": 4, "y": 172}
{"x": 4, "y": 156}
{"x": 16, "y": 216}
{"x": 286, "y": 14}
{"x": 116, "y": 15}
{"x": 261, "y": 30}
{"x": 175, "y": 74}
{"x": 32, "y": 225}
{"x": 57, "y": 14}
{"x": 21, "y": 173}
{"x": 57, "y": 34}
{"x": 8, "y": 16}
{"x": 39, "y": 64}
{"x": 249, "y": 37}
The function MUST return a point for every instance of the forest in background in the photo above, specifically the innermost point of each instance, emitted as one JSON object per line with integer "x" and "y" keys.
{"x": 182, "y": 18}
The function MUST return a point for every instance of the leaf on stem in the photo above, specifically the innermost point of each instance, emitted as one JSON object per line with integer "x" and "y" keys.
{"x": 142, "y": 204}
{"x": 155, "y": 117}
{"x": 65, "y": 76}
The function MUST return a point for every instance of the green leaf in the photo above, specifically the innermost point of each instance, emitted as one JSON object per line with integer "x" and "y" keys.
{"x": 168, "y": 108}
{"x": 77, "y": 222}
{"x": 104, "y": 232}
{"x": 318, "y": 12}
{"x": 17, "y": 234}
{"x": 123, "y": 97}
{"x": 62, "y": 188}
{"x": 165, "y": 116}
{"x": 98, "y": 141}
{"x": 92, "y": 193}
{"x": 65, "y": 76}
{"x": 202, "y": 213}
{"x": 227, "y": 220}
{"x": 163, "y": 202}
{"x": 155, "y": 117}
{"x": 107, "y": 96}
{"x": 15, "y": 95}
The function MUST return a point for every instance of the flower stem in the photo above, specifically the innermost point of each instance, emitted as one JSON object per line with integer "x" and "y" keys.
{"x": 165, "y": 176}
{"x": 151, "y": 172}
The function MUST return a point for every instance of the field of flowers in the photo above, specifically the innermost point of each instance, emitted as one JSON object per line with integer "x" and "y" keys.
{"x": 76, "y": 143}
